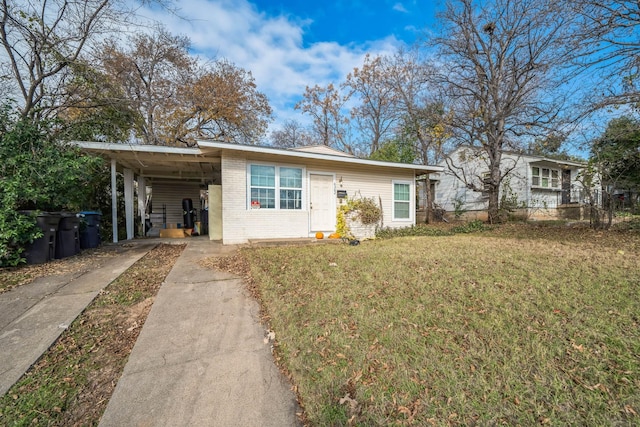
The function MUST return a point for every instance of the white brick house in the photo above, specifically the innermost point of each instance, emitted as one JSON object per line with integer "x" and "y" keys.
{"x": 256, "y": 192}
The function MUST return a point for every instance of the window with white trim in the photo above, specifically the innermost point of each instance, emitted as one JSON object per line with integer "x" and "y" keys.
{"x": 401, "y": 200}
{"x": 275, "y": 187}
{"x": 290, "y": 188}
{"x": 545, "y": 177}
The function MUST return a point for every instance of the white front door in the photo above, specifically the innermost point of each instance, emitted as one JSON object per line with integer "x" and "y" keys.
{"x": 321, "y": 202}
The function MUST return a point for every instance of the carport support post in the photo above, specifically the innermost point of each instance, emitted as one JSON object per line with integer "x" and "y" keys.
{"x": 128, "y": 201}
{"x": 114, "y": 201}
{"x": 142, "y": 204}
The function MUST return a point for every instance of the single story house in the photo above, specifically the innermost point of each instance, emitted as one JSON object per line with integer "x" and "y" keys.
{"x": 540, "y": 187}
{"x": 250, "y": 192}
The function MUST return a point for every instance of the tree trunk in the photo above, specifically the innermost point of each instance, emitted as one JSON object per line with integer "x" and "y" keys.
{"x": 494, "y": 205}
{"x": 493, "y": 209}
{"x": 428, "y": 202}
{"x": 609, "y": 211}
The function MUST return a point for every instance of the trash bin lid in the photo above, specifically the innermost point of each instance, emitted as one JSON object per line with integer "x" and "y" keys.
{"x": 90, "y": 213}
{"x": 66, "y": 214}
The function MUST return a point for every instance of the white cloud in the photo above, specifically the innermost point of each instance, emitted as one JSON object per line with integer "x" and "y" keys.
{"x": 399, "y": 7}
{"x": 272, "y": 48}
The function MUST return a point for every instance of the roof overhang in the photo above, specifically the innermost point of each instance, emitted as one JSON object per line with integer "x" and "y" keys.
{"x": 563, "y": 164}
{"x": 217, "y": 148}
{"x": 199, "y": 163}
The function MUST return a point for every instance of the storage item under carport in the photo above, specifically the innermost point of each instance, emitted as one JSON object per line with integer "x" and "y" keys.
{"x": 68, "y": 235}
{"x": 90, "y": 229}
{"x": 204, "y": 221}
{"x": 43, "y": 249}
{"x": 188, "y": 213}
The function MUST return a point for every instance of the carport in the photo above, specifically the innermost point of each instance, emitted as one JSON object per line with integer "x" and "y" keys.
{"x": 144, "y": 165}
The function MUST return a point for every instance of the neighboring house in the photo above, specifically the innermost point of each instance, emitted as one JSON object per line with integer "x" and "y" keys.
{"x": 247, "y": 192}
{"x": 538, "y": 187}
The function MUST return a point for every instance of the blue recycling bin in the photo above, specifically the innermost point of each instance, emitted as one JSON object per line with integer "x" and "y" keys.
{"x": 43, "y": 249}
{"x": 90, "y": 229}
{"x": 68, "y": 235}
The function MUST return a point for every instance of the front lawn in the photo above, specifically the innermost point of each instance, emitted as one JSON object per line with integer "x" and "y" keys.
{"x": 515, "y": 326}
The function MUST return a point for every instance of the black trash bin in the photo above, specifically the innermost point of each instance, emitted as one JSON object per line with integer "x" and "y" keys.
{"x": 43, "y": 249}
{"x": 89, "y": 229}
{"x": 68, "y": 236}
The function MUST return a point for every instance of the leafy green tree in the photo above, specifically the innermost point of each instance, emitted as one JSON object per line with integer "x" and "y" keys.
{"x": 615, "y": 157}
{"x": 97, "y": 108}
{"x": 617, "y": 152}
{"x": 37, "y": 172}
{"x": 171, "y": 99}
{"x": 399, "y": 150}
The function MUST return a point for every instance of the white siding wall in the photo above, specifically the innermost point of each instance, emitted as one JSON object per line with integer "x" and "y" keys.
{"x": 450, "y": 188}
{"x": 538, "y": 201}
{"x": 377, "y": 184}
{"x": 241, "y": 224}
{"x": 171, "y": 193}
{"x": 544, "y": 199}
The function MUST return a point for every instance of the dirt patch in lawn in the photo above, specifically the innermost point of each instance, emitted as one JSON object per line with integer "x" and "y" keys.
{"x": 72, "y": 382}
{"x": 88, "y": 259}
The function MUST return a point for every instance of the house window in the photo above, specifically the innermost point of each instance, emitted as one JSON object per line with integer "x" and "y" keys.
{"x": 401, "y": 200}
{"x": 272, "y": 187}
{"x": 263, "y": 186}
{"x": 545, "y": 177}
{"x": 290, "y": 188}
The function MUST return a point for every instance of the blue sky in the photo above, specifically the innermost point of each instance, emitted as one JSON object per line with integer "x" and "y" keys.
{"x": 289, "y": 44}
{"x": 354, "y": 22}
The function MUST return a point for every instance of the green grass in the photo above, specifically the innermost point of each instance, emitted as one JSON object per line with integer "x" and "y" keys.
{"x": 483, "y": 328}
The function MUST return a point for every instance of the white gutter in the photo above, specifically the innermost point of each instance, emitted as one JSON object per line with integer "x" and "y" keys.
{"x": 136, "y": 148}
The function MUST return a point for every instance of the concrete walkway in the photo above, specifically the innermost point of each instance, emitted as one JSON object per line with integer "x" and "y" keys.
{"x": 33, "y": 316}
{"x": 201, "y": 359}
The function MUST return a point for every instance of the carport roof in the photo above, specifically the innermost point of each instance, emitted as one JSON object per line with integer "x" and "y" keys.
{"x": 155, "y": 161}
{"x": 200, "y": 162}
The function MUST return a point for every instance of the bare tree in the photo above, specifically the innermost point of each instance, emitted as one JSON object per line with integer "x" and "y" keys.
{"x": 147, "y": 71}
{"x": 376, "y": 114}
{"x": 422, "y": 118}
{"x": 610, "y": 40}
{"x": 422, "y": 115}
{"x": 330, "y": 126}
{"x": 291, "y": 135}
{"x": 502, "y": 71}
{"x": 41, "y": 39}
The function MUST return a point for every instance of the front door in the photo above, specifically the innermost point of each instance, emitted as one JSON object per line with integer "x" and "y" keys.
{"x": 321, "y": 203}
